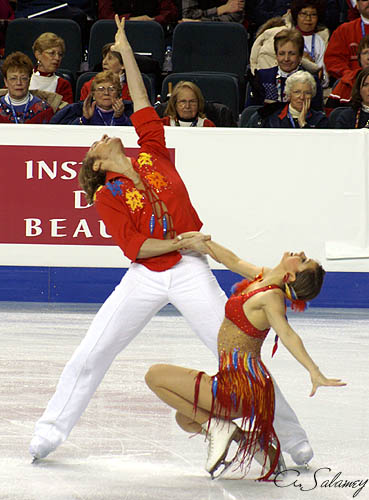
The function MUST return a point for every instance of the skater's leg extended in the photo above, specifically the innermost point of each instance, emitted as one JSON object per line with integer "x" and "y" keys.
{"x": 121, "y": 317}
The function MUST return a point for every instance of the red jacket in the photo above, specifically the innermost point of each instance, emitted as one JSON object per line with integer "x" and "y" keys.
{"x": 126, "y": 210}
{"x": 166, "y": 10}
{"x": 341, "y": 93}
{"x": 341, "y": 54}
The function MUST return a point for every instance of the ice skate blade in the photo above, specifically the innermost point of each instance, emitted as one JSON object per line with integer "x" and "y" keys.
{"x": 221, "y": 469}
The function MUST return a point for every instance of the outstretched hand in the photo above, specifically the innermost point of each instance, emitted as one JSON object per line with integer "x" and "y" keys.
{"x": 319, "y": 380}
{"x": 120, "y": 36}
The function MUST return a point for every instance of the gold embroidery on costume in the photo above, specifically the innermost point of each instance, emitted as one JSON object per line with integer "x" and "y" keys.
{"x": 144, "y": 159}
{"x": 134, "y": 199}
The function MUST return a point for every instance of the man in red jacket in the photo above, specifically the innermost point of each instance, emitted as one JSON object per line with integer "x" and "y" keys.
{"x": 341, "y": 55}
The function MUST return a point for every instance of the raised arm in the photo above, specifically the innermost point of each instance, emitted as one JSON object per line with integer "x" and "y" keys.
{"x": 275, "y": 312}
{"x": 135, "y": 83}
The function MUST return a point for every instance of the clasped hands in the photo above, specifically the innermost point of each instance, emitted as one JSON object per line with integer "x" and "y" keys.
{"x": 89, "y": 107}
{"x": 194, "y": 240}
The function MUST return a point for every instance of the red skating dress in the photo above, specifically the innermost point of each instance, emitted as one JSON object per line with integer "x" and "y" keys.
{"x": 243, "y": 383}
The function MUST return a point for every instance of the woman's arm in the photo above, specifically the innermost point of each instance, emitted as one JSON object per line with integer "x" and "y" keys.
{"x": 275, "y": 313}
{"x": 220, "y": 254}
{"x": 135, "y": 83}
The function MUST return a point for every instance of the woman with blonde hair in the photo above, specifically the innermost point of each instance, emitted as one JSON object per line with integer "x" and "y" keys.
{"x": 49, "y": 50}
{"x": 186, "y": 107}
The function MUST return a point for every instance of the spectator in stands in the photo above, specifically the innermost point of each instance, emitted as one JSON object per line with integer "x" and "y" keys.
{"x": 306, "y": 16}
{"x": 357, "y": 114}
{"x": 268, "y": 85}
{"x": 341, "y": 54}
{"x": 49, "y": 50}
{"x": 185, "y": 107}
{"x": 6, "y": 14}
{"x": 352, "y": 10}
{"x": 18, "y": 105}
{"x": 102, "y": 106}
{"x": 260, "y": 12}
{"x": 162, "y": 11}
{"x": 111, "y": 61}
{"x": 213, "y": 10}
{"x": 341, "y": 93}
{"x": 300, "y": 89}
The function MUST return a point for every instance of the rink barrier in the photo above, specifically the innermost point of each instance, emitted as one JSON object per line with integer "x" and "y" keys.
{"x": 93, "y": 285}
{"x": 260, "y": 192}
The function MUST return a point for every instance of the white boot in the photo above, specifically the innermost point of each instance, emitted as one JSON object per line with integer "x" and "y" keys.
{"x": 40, "y": 447}
{"x": 302, "y": 453}
{"x": 220, "y": 434}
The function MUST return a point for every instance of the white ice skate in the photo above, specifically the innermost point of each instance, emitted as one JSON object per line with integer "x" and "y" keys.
{"x": 40, "y": 448}
{"x": 234, "y": 465}
{"x": 220, "y": 435}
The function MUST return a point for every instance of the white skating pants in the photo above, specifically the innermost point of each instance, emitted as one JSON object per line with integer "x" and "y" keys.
{"x": 192, "y": 288}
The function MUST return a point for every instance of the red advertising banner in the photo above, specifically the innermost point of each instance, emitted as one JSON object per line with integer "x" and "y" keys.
{"x": 41, "y": 201}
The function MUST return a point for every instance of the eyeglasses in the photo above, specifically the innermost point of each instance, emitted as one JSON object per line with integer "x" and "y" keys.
{"x": 54, "y": 53}
{"x": 298, "y": 93}
{"x": 16, "y": 79}
{"x": 106, "y": 90}
{"x": 183, "y": 103}
{"x": 311, "y": 15}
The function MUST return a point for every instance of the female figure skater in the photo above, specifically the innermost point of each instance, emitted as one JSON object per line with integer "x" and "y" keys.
{"x": 243, "y": 387}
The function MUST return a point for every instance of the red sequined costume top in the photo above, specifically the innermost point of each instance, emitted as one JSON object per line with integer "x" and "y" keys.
{"x": 243, "y": 383}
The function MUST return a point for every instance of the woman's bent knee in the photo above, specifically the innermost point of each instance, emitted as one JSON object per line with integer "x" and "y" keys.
{"x": 155, "y": 374}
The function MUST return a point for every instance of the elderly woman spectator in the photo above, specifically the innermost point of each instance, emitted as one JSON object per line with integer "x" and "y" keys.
{"x": 357, "y": 114}
{"x": 185, "y": 107}
{"x": 111, "y": 61}
{"x": 102, "y": 106}
{"x": 341, "y": 93}
{"x": 18, "y": 105}
{"x": 300, "y": 90}
{"x": 307, "y": 17}
{"x": 268, "y": 85}
{"x": 49, "y": 50}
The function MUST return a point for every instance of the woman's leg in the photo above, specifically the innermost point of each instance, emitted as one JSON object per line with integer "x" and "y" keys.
{"x": 175, "y": 386}
{"x": 187, "y": 424}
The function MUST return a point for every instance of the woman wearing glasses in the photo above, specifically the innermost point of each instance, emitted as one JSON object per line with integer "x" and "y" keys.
{"x": 49, "y": 50}
{"x": 102, "y": 106}
{"x": 300, "y": 90}
{"x": 17, "y": 104}
{"x": 306, "y": 16}
{"x": 186, "y": 107}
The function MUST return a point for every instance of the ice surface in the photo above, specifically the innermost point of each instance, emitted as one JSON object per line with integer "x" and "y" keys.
{"x": 127, "y": 445}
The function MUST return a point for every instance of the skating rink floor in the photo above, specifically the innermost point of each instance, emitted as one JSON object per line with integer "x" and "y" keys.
{"x": 127, "y": 445}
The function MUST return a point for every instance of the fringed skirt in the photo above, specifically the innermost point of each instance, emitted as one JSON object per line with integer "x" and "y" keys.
{"x": 244, "y": 387}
